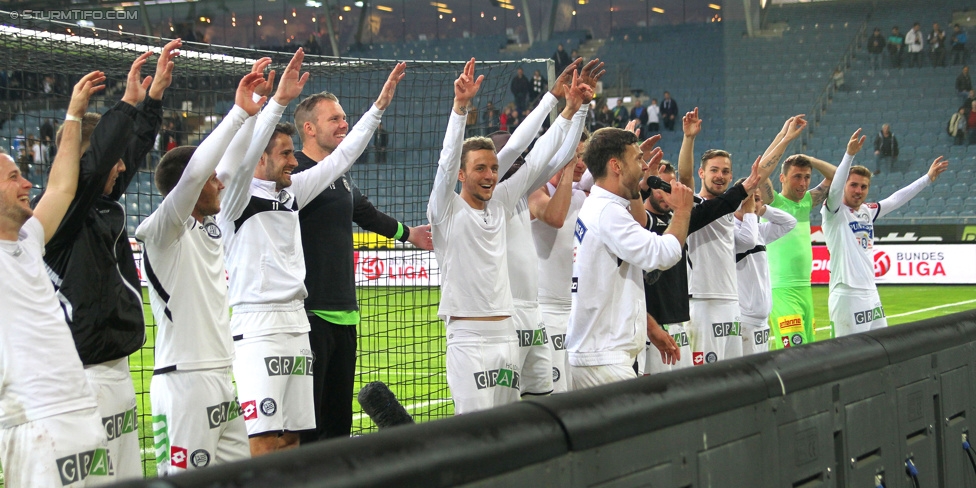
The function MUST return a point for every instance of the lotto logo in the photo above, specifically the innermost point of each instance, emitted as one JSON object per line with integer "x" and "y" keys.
{"x": 529, "y": 338}
{"x": 868, "y": 316}
{"x": 497, "y": 377}
{"x": 288, "y": 365}
{"x": 120, "y": 423}
{"x": 786, "y": 341}
{"x": 177, "y": 457}
{"x": 725, "y": 329}
{"x": 580, "y": 231}
{"x": 77, "y": 467}
{"x": 249, "y": 410}
{"x": 761, "y": 336}
{"x": 225, "y": 412}
{"x": 681, "y": 339}
{"x": 558, "y": 342}
{"x": 698, "y": 358}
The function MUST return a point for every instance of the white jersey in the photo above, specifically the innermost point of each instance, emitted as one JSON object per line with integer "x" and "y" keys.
{"x": 752, "y": 266}
{"x": 608, "y": 322}
{"x": 260, "y": 223}
{"x": 470, "y": 244}
{"x": 554, "y": 248}
{"x": 711, "y": 259}
{"x": 850, "y": 232}
{"x": 523, "y": 264}
{"x": 184, "y": 262}
{"x": 40, "y": 372}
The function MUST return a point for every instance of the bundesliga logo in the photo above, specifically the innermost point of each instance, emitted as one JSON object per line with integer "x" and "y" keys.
{"x": 497, "y": 377}
{"x": 288, "y": 365}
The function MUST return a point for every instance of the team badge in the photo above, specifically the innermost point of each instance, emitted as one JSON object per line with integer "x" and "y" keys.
{"x": 555, "y": 375}
{"x": 796, "y": 339}
{"x": 711, "y": 357}
{"x": 212, "y": 230}
{"x": 269, "y": 407}
{"x": 200, "y": 458}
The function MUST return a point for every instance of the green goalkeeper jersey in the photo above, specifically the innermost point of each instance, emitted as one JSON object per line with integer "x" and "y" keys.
{"x": 791, "y": 256}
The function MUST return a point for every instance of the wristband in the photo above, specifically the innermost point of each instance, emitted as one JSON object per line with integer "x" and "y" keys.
{"x": 402, "y": 233}
{"x": 71, "y": 118}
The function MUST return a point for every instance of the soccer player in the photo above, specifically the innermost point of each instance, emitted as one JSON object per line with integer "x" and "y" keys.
{"x": 848, "y": 224}
{"x": 554, "y": 208}
{"x": 535, "y": 353}
{"x": 260, "y": 224}
{"x": 50, "y": 428}
{"x": 89, "y": 258}
{"x": 469, "y": 232}
{"x": 326, "y": 222}
{"x": 713, "y": 330}
{"x": 666, "y": 292}
{"x": 752, "y": 269}
{"x": 196, "y": 419}
{"x": 791, "y": 257}
{"x": 608, "y": 324}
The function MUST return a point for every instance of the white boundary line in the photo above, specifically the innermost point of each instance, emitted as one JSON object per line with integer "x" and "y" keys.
{"x": 947, "y": 305}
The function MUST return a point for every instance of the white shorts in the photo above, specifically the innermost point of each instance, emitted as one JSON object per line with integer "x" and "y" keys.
{"x": 196, "y": 420}
{"x": 755, "y": 335}
{"x": 712, "y": 326}
{"x": 853, "y": 311}
{"x": 535, "y": 354}
{"x": 556, "y": 319}
{"x": 274, "y": 383}
{"x": 654, "y": 364}
{"x": 68, "y": 449}
{"x": 604, "y": 374}
{"x": 116, "y": 397}
{"x": 483, "y": 369}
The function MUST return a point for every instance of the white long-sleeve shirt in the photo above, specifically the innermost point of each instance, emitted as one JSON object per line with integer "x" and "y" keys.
{"x": 260, "y": 223}
{"x": 850, "y": 232}
{"x": 711, "y": 260}
{"x": 470, "y": 244}
{"x": 184, "y": 262}
{"x": 752, "y": 267}
{"x": 554, "y": 248}
{"x": 608, "y": 322}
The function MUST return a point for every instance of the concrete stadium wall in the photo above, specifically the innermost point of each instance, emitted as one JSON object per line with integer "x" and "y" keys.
{"x": 840, "y": 413}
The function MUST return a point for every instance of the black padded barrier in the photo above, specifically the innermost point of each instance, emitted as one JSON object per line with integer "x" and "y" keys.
{"x": 842, "y": 413}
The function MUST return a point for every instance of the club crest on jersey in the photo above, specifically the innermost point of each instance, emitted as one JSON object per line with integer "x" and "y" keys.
{"x": 200, "y": 458}
{"x": 212, "y": 230}
{"x": 580, "y": 231}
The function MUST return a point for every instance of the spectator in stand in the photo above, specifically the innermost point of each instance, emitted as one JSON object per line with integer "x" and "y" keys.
{"x": 47, "y": 130}
{"x": 669, "y": 111}
{"x": 963, "y": 83}
{"x": 838, "y": 79}
{"x": 957, "y": 126}
{"x": 562, "y": 59}
{"x": 471, "y": 120}
{"x": 915, "y": 44}
{"x": 970, "y": 98}
{"x": 895, "y": 43}
{"x": 886, "y": 148}
{"x": 539, "y": 86}
{"x": 19, "y": 141}
{"x": 620, "y": 114}
{"x": 24, "y": 162}
{"x": 971, "y": 123}
{"x": 958, "y": 45}
{"x": 604, "y": 117}
{"x": 490, "y": 118}
{"x": 937, "y": 44}
{"x": 381, "y": 140}
{"x": 876, "y": 45}
{"x": 639, "y": 113}
{"x": 653, "y": 117}
{"x": 521, "y": 88}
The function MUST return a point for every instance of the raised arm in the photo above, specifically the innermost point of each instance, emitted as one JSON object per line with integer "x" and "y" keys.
{"x": 681, "y": 200}
{"x": 465, "y": 88}
{"x": 178, "y": 205}
{"x": 63, "y": 180}
{"x": 770, "y": 160}
{"x": 819, "y": 193}
{"x": 835, "y": 196}
{"x": 746, "y": 226}
{"x": 901, "y": 197}
{"x": 552, "y": 209}
{"x": 691, "y": 125}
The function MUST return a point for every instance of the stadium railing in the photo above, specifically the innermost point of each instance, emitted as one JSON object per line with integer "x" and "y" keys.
{"x": 891, "y": 407}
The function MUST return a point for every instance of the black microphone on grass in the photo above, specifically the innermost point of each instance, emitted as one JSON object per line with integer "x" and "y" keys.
{"x": 382, "y": 406}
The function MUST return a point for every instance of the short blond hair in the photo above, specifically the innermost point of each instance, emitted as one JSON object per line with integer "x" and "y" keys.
{"x": 88, "y": 123}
